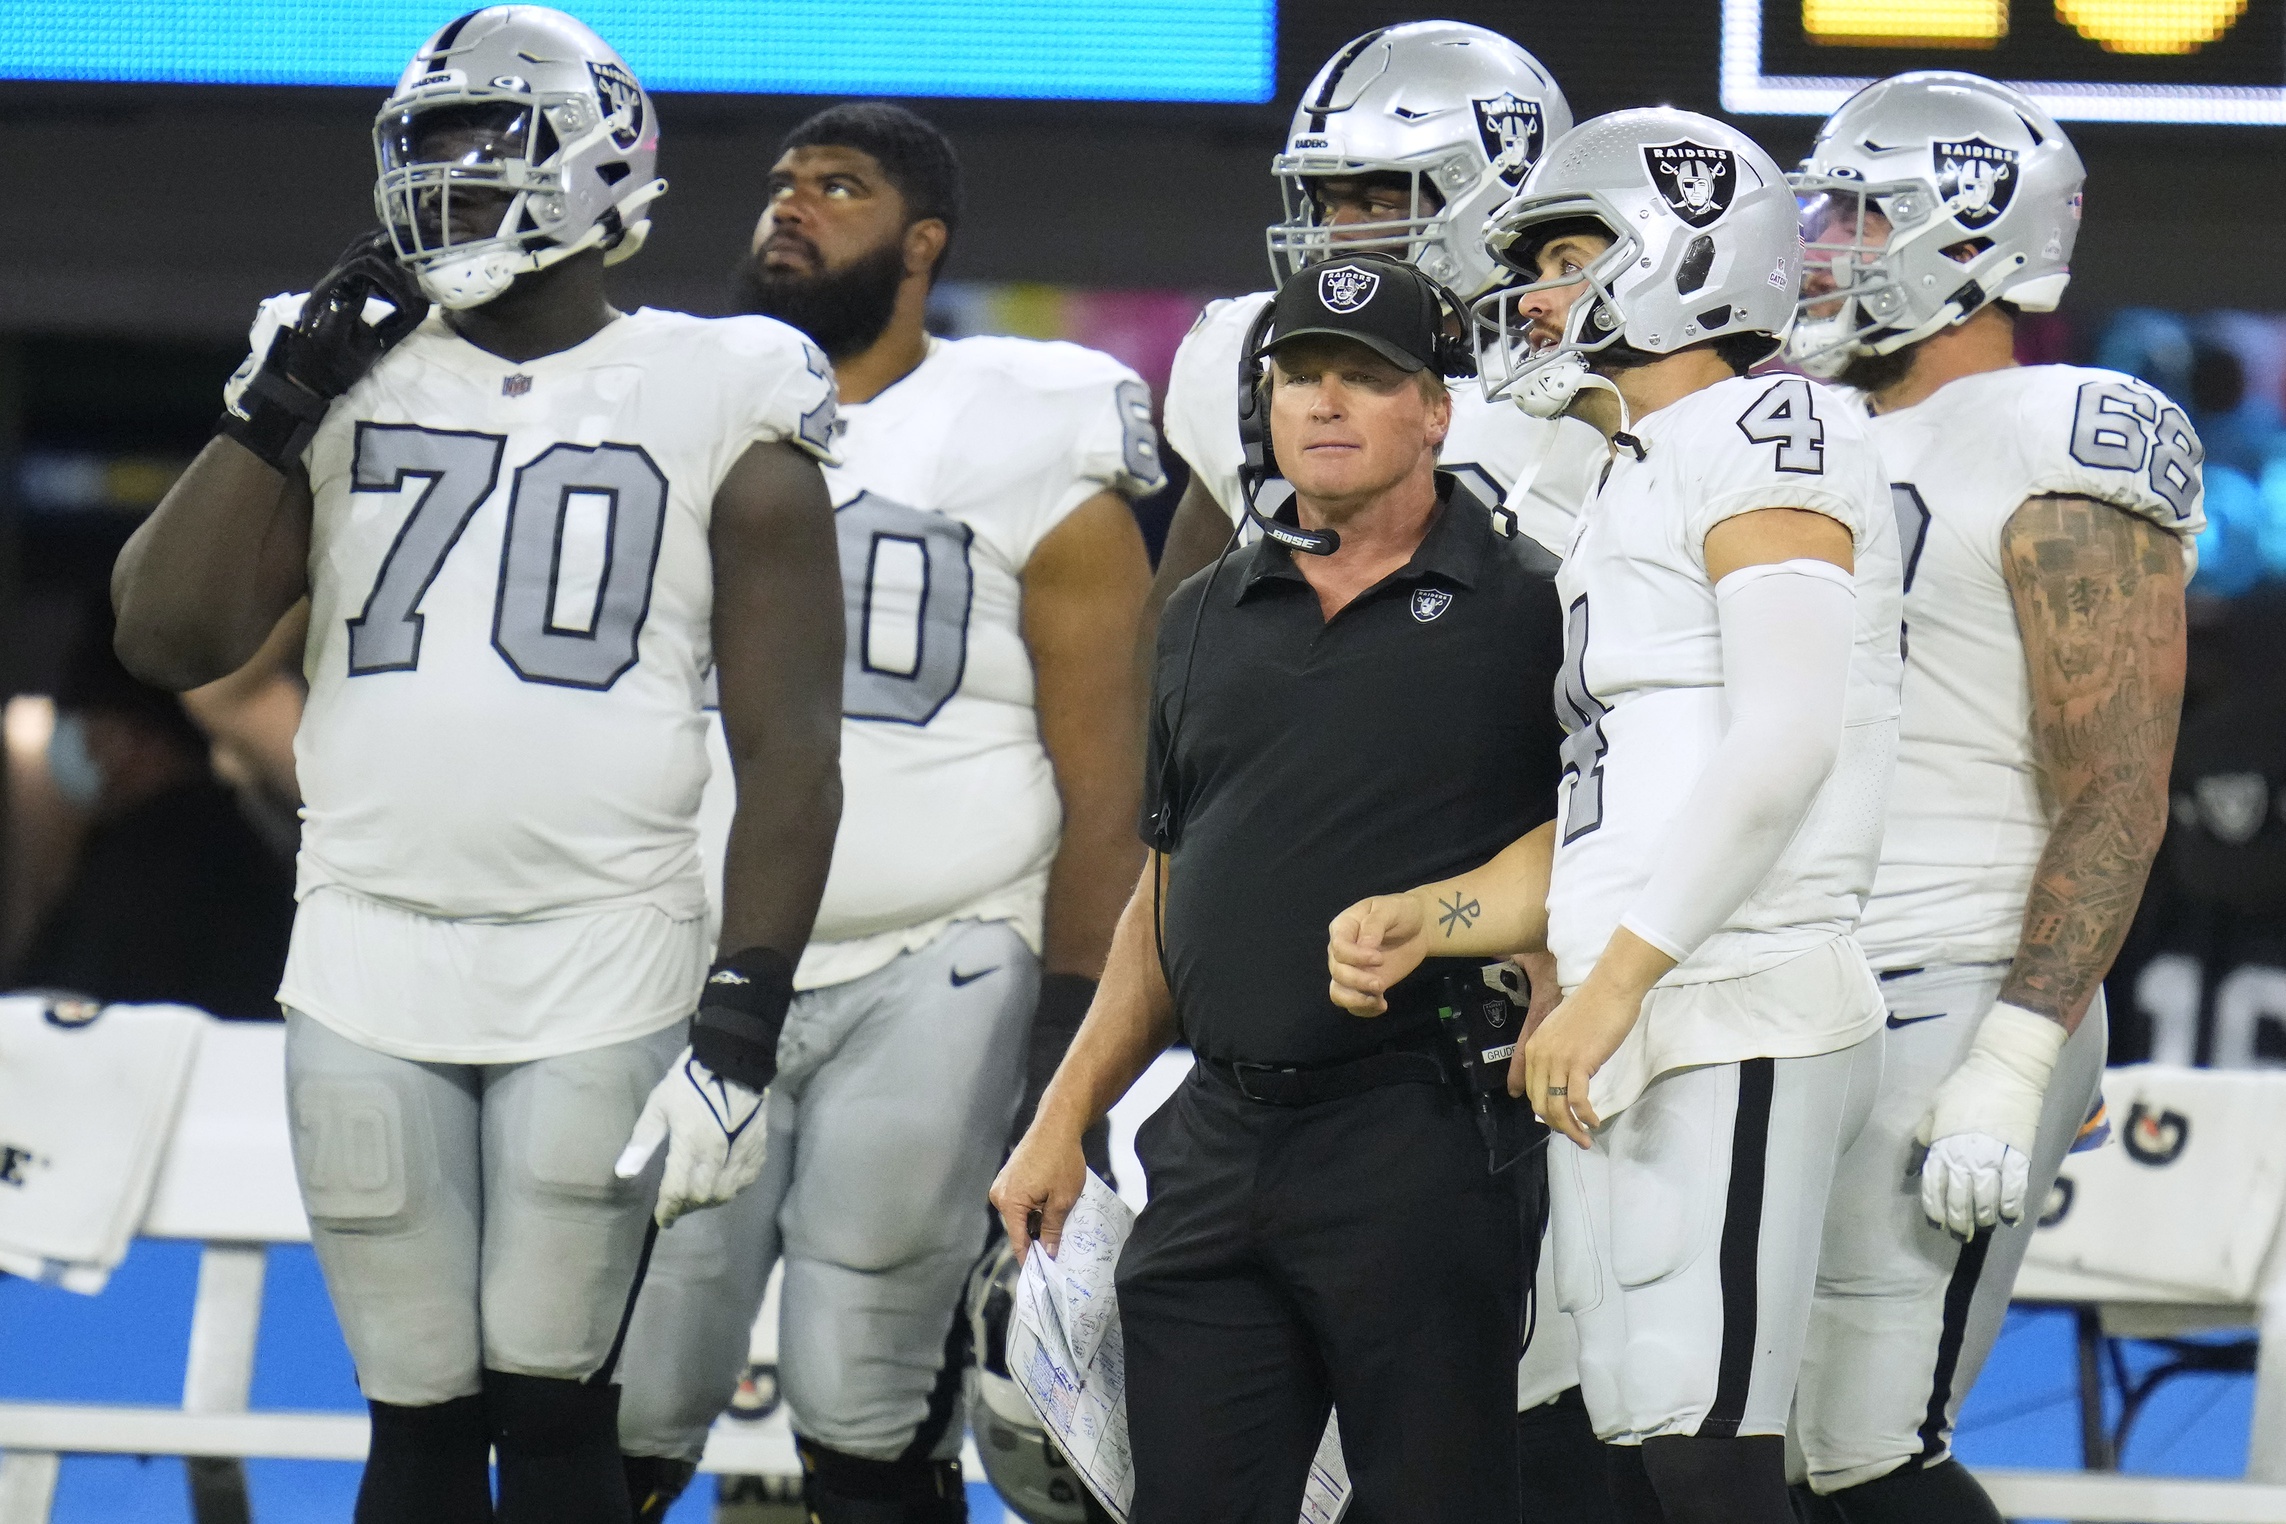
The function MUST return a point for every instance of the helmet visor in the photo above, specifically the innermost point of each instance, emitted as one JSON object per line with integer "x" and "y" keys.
{"x": 463, "y": 134}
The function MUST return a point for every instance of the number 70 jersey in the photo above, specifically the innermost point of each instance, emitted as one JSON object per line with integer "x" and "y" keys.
{"x": 512, "y": 595}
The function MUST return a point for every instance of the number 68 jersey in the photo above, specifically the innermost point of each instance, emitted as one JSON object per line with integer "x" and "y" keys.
{"x": 1641, "y": 695}
{"x": 1967, "y": 823}
{"x": 511, "y": 602}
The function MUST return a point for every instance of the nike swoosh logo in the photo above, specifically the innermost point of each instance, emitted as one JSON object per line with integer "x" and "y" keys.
{"x": 959, "y": 979}
{"x": 1913, "y": 1021}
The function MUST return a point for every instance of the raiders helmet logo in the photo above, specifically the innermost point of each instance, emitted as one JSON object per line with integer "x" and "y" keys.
{"x": 1977, "y": 179}
{"x": 1698, "y": 182}
{"x": 1430, "y": 603}
{"x": 1511, "y": 128}
{"x": 1345, "y": 288}
{"x": 622, "y": 102}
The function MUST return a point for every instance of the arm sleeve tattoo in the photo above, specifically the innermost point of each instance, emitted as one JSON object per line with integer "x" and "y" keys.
{"x": 2099, "y": 599}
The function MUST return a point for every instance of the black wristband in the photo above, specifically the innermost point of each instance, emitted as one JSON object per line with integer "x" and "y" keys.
{"x": 742, "y": 1009}
{"x": 281, "y": 418}
{"x": 1064, "y": 999}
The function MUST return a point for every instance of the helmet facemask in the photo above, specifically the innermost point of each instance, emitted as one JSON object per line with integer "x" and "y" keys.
{"x": 1538, "y": 375}
{"x": 473, "y": 192}
{"x": 1304, "y": 238}
{"x": 1855, "y": 294}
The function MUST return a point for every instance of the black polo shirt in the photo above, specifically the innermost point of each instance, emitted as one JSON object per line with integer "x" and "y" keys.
{"x": 1316, "y": 762}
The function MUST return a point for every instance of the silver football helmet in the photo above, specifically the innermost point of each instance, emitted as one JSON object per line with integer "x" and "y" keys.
{"x": 1704, "y": 246}
{"x": 1022, "y": 1462}
{"x": 1975, "y": 196}
{"x": 516, "y": 138}
{"x": 1459, "y": 109}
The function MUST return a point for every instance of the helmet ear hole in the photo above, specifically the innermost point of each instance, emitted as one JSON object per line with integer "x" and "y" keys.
{"x": 612, "y": 173}
{"x": 1697, "y": 262}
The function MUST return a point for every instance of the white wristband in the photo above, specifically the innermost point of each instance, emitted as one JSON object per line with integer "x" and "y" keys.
{"x": 1999, "y": 1088}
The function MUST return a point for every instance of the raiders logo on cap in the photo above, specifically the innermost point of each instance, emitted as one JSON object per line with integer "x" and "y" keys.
{"x": 1976, "y": 178}
{"x": 1430, "y": 602}
{"x": 1511, "y": 127}
{"x": 1698, "y": 182}
{"x": 621, "y": 100}
{"x": 1345, "y": 288}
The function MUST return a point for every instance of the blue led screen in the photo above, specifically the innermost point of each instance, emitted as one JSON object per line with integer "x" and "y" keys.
{"x": 1141, "y": 50}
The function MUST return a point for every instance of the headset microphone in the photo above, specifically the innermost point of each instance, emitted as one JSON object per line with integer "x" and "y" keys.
{"x": 1256, "y": 462}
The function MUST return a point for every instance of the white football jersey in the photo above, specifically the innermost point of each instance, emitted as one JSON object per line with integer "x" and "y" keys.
{"x": 948, "y": 481}
{"x": 1641, "y": 695}
{"x": 511, "y": 594}
{"x": 1492, "y": 448}
{"x": 1966, "y": 821}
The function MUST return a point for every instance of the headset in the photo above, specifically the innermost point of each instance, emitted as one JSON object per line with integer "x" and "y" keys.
{"x": 1450, "y": 352}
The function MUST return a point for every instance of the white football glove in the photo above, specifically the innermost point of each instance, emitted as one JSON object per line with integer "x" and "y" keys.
{"x": 717, "y": 1136}
{"x": 1983, "y": 1123}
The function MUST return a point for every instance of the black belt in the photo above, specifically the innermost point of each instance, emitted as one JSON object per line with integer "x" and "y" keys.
{"x": 1290, "y": 1085}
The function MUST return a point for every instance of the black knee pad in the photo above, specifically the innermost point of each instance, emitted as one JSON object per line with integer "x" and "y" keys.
{"x": 428, "y": 1464}
{"x": 1701, "y": 1479}
{"x": 1560, "y": 1464}
{"x": 557, "y": 1442}
{"x": 849, "y": 1489}
{"x": 1944, "y": 1494}
{"x": 653, "y": 1484}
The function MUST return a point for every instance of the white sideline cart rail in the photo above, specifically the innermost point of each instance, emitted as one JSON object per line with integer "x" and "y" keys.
{"x": 228, "y": 1183}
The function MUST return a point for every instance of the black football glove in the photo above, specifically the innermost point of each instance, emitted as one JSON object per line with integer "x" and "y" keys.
{"x": 326, "y": 352}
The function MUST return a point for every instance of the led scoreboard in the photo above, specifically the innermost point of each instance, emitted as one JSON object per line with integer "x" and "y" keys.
{"x": 2211, "y": 61}
{"x": 1129, "y": 50}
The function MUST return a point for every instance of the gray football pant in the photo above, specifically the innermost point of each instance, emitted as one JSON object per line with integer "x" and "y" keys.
{"x": 887, "y": 1124}
{"x": 466, "y": 1215}
{"x": 1687, "y": 1240}
{"x": 1904, "y": 1314}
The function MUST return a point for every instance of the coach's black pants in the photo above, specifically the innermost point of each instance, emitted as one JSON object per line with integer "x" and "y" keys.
{"x": 1354, "y": 1254}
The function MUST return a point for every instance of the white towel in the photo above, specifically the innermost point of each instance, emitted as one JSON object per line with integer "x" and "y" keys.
{"x": 87, "y": 1101}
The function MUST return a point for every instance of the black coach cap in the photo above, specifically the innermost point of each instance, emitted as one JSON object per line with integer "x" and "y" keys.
{"x": 1383, "y": 303}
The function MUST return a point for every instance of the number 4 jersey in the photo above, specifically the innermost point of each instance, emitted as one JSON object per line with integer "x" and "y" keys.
{"x": 1966, "y": 821}
{"x": 501, "y": 758}
{"x": 1641, "y": 698}
{"x": 948, "y": 482}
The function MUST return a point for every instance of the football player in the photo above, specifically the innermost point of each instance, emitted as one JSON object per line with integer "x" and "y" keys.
{"x": 1406, "y": 142}
{"x": 1730, "y": 692}
{"x": 527, "y": 525}
{"x": 994, "y": 578}
{"x": 2045, "y": 514}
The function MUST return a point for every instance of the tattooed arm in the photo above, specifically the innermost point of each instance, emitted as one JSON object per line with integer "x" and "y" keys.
{"x": 2099, "y": 599}
{"x": 1488, "y": 912}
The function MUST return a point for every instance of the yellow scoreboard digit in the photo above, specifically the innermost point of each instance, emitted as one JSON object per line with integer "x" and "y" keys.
{"x": 2218, "y": 61}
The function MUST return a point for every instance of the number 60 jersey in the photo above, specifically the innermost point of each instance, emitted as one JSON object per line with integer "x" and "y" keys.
{"x": 947, "y": 483}
{"x": 512, "y": 597}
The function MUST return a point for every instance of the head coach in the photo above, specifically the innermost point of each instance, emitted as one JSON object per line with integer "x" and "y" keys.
{"x": 1363, "y": 692}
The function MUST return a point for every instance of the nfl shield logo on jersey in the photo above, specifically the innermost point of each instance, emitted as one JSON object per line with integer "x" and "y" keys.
{"x": 515, "y": 386}
{"x": 1429, "y": 602}
{"x": 1510, "y": 127}
{"x": 1345, "y": 288}
{"x": 1977, "y": 178}
{"x": 1697, "y": 181}
{"x": 622, "y": 102}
